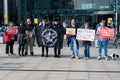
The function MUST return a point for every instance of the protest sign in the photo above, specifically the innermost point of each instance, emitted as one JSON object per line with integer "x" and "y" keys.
{"x": 107, "y": 32}
{"x": 12, "y": 30}
{"x": 70, "y": 31}
{"x": 85, "y": 34}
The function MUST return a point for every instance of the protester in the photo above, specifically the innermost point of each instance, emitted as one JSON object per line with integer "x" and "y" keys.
{"x": 112, "y": 24}
{"x": 59, "y": 44}
{"x": 9, "y": 39}
{"x": 30, "y": 37}
{"x": 21, "y": 38}
{"x": 102, "y": 42}
{"x": 86, "y": 44}
{"x": 38, "y": 31}
{"x": 73, "y": 42}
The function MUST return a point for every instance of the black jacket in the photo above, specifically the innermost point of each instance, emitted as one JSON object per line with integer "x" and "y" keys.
{"x": 21, "y": 30}
{"x": 60, "y": 31}
{"x": 29, "y": 27}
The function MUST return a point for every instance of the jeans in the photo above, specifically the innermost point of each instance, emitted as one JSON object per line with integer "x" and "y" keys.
{"x": 74, "y": 47}
{"x": 104, "y": 45}
{"x": 87, "y": 50}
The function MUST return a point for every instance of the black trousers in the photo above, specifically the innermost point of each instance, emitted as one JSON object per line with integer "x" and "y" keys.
{"x": 21, "y": 48}
{"x": 57, "y": 52}
{"x": 9, "y": 47}
{"x": 43, "y": 47}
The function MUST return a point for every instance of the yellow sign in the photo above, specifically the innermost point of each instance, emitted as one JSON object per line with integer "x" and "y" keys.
{"x": 109, "y": 20}
{"x": 36, "y": 20}
{"x": 5, "y": 16}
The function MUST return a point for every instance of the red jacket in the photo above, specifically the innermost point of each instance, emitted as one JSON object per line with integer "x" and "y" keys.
{"x": 7, "y": 37}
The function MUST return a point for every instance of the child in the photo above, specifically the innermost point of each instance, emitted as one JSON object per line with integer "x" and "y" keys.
{"x": 86, "y": 44}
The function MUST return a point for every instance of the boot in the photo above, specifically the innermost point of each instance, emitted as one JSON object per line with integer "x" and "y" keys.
{"x": 26, "y": 53}
{"x": 46, "y": 54}
{"x": 32, "y": 54}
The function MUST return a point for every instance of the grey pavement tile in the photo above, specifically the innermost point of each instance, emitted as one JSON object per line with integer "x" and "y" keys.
{"x": 33, "y": 79}
{"x": 114, "y": 74}
{"x": 56, "y": 79}
{"x": 115, "y": 78}
{"x": 58, "y": 75}
{"x": 37, "y": 75}
{"x": 78, "y": 76}
{"x": 13, "y": 78}
{"x": 99, "y": 78}
{"x": 98, "y": 74}
{"x": 64, "y": 63}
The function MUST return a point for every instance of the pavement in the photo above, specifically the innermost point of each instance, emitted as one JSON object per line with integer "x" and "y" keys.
{"x": 63, "y": 68}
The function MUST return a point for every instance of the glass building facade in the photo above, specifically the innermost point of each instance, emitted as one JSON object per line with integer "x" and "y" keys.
{"x": 65, "y": 9}
{"x": 82, "y": 10}
{"x": 1, "y": 10}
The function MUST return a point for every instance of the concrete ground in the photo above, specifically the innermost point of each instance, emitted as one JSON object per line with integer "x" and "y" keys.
{"x": 64, "y": 68}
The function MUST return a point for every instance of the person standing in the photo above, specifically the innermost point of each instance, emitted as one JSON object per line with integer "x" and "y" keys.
{"x": 102, "y": 42}
{"x": 30, "y": 39}
{"x": 73, "y": 42}
{"x": 86, "y": 44}
{"x": 9, "y": 39}
{"x": 21, "y": 38}
{"x": 38, "y": 32}
{"x": 59, "y": 44}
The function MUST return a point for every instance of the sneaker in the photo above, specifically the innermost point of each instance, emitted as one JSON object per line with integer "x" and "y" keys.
{"x": 85, "y": 57}
{"x": 8, "y": 54}
{"x": 106, "y": 58}
{"x": 77, "y": 57}
{"x": 99, "y": 57}
{"x": 72, "y": 57}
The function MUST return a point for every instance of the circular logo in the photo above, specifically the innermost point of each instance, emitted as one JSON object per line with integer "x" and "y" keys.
{"x": 49, "y": 37}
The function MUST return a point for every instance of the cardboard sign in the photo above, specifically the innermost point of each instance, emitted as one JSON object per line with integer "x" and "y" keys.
{"x": 107, "y": 32}
{"x": 70, "y": 31}
{"x": 85, "y": 34}
{"x": 12, "y": 30}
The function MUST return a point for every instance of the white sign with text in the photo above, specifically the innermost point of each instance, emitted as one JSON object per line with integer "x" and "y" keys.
{"x": 85, "y": 34}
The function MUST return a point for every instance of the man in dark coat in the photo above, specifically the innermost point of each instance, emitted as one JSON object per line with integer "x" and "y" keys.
{"x": 59, "y": 44}
{"x": 38, "y": 32}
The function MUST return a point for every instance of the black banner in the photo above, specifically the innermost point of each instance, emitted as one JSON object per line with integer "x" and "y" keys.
{"x": 49, "y": 37}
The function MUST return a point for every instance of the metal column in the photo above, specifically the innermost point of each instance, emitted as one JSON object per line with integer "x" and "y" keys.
{"x": 116, "y": 16}
{"x": 5, "y": 11}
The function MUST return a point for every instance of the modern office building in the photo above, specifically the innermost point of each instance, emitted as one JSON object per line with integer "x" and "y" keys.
{"x": 82, "y": 10}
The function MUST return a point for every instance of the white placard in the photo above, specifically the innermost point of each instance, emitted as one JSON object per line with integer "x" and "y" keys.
{"x": 85, "y": 34}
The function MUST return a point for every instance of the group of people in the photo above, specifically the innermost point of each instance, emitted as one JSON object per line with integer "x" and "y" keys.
{"x": 27, "y": 32}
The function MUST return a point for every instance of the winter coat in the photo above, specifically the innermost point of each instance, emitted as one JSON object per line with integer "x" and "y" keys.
{"x": 60, "y": 31}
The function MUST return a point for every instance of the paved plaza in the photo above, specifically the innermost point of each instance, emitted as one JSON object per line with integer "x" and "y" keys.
{"x": 64, "y": 68}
